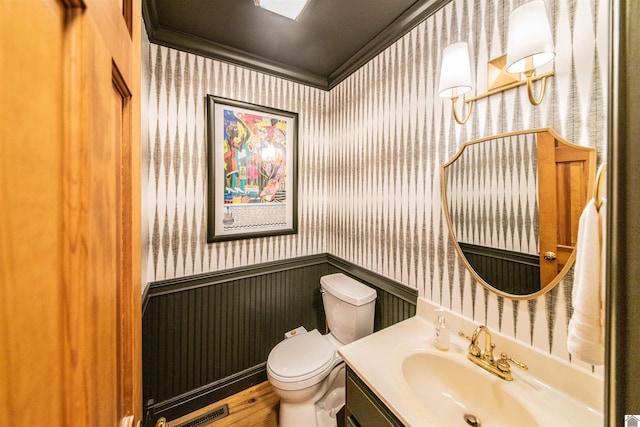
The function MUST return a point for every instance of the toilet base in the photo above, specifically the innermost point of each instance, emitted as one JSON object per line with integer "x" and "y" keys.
{"x": 332, "y": 402}
{"x": 321, "y": 408}
{"x": 292, "y": 413}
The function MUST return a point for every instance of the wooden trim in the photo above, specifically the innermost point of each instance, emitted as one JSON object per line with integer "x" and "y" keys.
{"x": 127, "y": 13}
{"x": 74, "y": 4}
{"x": 145, "y": 299}
{"x": 206, "y": 279}
{"x": 202, "y": 47}
{"x": 150, "y": 18}
{"x": 416, "y": 14}
{"x": 502, "y": 254}
{"x": 391, "y": 286}
{"x": 547, "y": 205}
{"x": 180, "y": 284}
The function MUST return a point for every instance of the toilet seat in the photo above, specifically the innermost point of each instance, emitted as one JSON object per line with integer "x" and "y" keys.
{"x": 302, "y": 361}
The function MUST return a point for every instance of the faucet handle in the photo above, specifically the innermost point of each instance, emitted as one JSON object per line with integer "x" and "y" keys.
{"x": 489, "y": 355}
{"x": 504, "y": 362}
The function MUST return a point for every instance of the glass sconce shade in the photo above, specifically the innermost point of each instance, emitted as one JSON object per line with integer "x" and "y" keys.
{"x": 530, "y": 44}
{"x": 455, "y": 71}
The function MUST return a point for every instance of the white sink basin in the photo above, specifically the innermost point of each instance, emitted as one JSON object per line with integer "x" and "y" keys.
{"x": 461, "y": 394}
{"x": 424, "y": 386}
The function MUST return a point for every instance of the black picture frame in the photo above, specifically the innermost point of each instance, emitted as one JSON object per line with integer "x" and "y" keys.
{"x": 252, "y": 163}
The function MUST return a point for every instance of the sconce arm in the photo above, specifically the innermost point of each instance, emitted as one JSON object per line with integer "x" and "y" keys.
{"x": 454, "y": 103}
{"x": 543, "y": 86}
{"x": 542, "y": 77}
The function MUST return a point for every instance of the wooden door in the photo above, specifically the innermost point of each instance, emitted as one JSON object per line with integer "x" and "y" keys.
{"x": 70, "y": 213}
{"x": 565, "y": 182}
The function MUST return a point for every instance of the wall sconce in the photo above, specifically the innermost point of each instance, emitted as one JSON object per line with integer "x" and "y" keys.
{"x": 529, "y": 46}
{"x": 455, "y": 77}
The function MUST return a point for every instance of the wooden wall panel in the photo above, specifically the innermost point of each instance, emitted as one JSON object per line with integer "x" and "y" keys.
{"x": 512, "y": 272}
{"x": 206, "y": 337}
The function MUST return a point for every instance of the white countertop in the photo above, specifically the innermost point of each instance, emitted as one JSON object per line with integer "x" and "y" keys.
{"x": 569, "y": 395}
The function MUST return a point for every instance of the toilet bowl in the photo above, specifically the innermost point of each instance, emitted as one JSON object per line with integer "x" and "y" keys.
{"x": 306, "y": 371}
{"x": 302, "y": 370}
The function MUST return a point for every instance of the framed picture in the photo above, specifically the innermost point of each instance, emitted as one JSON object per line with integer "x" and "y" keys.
{"x": 252, "y": 170}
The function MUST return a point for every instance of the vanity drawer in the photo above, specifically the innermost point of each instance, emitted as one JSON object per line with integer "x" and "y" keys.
{"x": 363, "y": 408}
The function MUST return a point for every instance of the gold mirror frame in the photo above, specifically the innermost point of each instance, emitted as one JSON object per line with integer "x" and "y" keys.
{"x": 589, "y": 178}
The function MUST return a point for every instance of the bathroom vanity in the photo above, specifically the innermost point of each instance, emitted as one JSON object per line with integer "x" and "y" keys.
{"x": 364, "y": 408}
{"x": 412, "y": 383}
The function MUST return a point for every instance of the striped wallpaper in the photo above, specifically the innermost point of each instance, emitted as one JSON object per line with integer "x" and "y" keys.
{"x": 492, "y": 194}
{"x": 176, "y": 180}
{"x": 370, "y": 152}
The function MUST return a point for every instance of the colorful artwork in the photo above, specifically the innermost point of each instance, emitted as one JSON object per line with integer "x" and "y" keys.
{"x": 252, "y": 170}
{"x": 255, "y": 158}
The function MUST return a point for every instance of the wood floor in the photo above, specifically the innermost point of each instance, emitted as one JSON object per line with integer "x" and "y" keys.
{"x": 254, "y": 407}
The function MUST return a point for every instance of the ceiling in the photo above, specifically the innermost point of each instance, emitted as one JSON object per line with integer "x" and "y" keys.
{"x": 328, "y": 42}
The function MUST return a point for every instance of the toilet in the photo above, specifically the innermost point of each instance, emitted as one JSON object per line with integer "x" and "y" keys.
{"x": 306, "y": 371}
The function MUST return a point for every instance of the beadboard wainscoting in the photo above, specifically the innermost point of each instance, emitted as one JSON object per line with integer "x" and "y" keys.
{"x": 206, "y": 337}
{"x": 369, "y": 165}
{"x": 510, "y": 271}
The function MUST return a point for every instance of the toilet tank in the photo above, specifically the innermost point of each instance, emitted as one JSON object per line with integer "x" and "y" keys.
{"x": 349, "y": 307}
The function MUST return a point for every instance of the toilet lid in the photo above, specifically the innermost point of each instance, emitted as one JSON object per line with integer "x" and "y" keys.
{"x": 301, "y": 357}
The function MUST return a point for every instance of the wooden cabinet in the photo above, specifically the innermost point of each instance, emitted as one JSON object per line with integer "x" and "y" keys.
{"x": 363, "y": 408}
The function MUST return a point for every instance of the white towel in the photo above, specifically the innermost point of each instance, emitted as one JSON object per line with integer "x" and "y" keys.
{"x": 586, "y": 327}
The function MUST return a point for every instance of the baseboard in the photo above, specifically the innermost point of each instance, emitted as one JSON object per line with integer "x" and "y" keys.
{"x": 189, "y": 402}
{"x": 255, "y": 406}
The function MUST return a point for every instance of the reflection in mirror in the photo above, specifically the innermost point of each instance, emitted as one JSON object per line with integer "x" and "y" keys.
{"x": 513, "y": 203}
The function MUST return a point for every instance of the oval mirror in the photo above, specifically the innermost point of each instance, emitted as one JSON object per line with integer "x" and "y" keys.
{"x": 513, "y": 203}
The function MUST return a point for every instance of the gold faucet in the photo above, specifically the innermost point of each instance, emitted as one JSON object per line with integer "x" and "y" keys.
{"x": 485, "y": 359}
